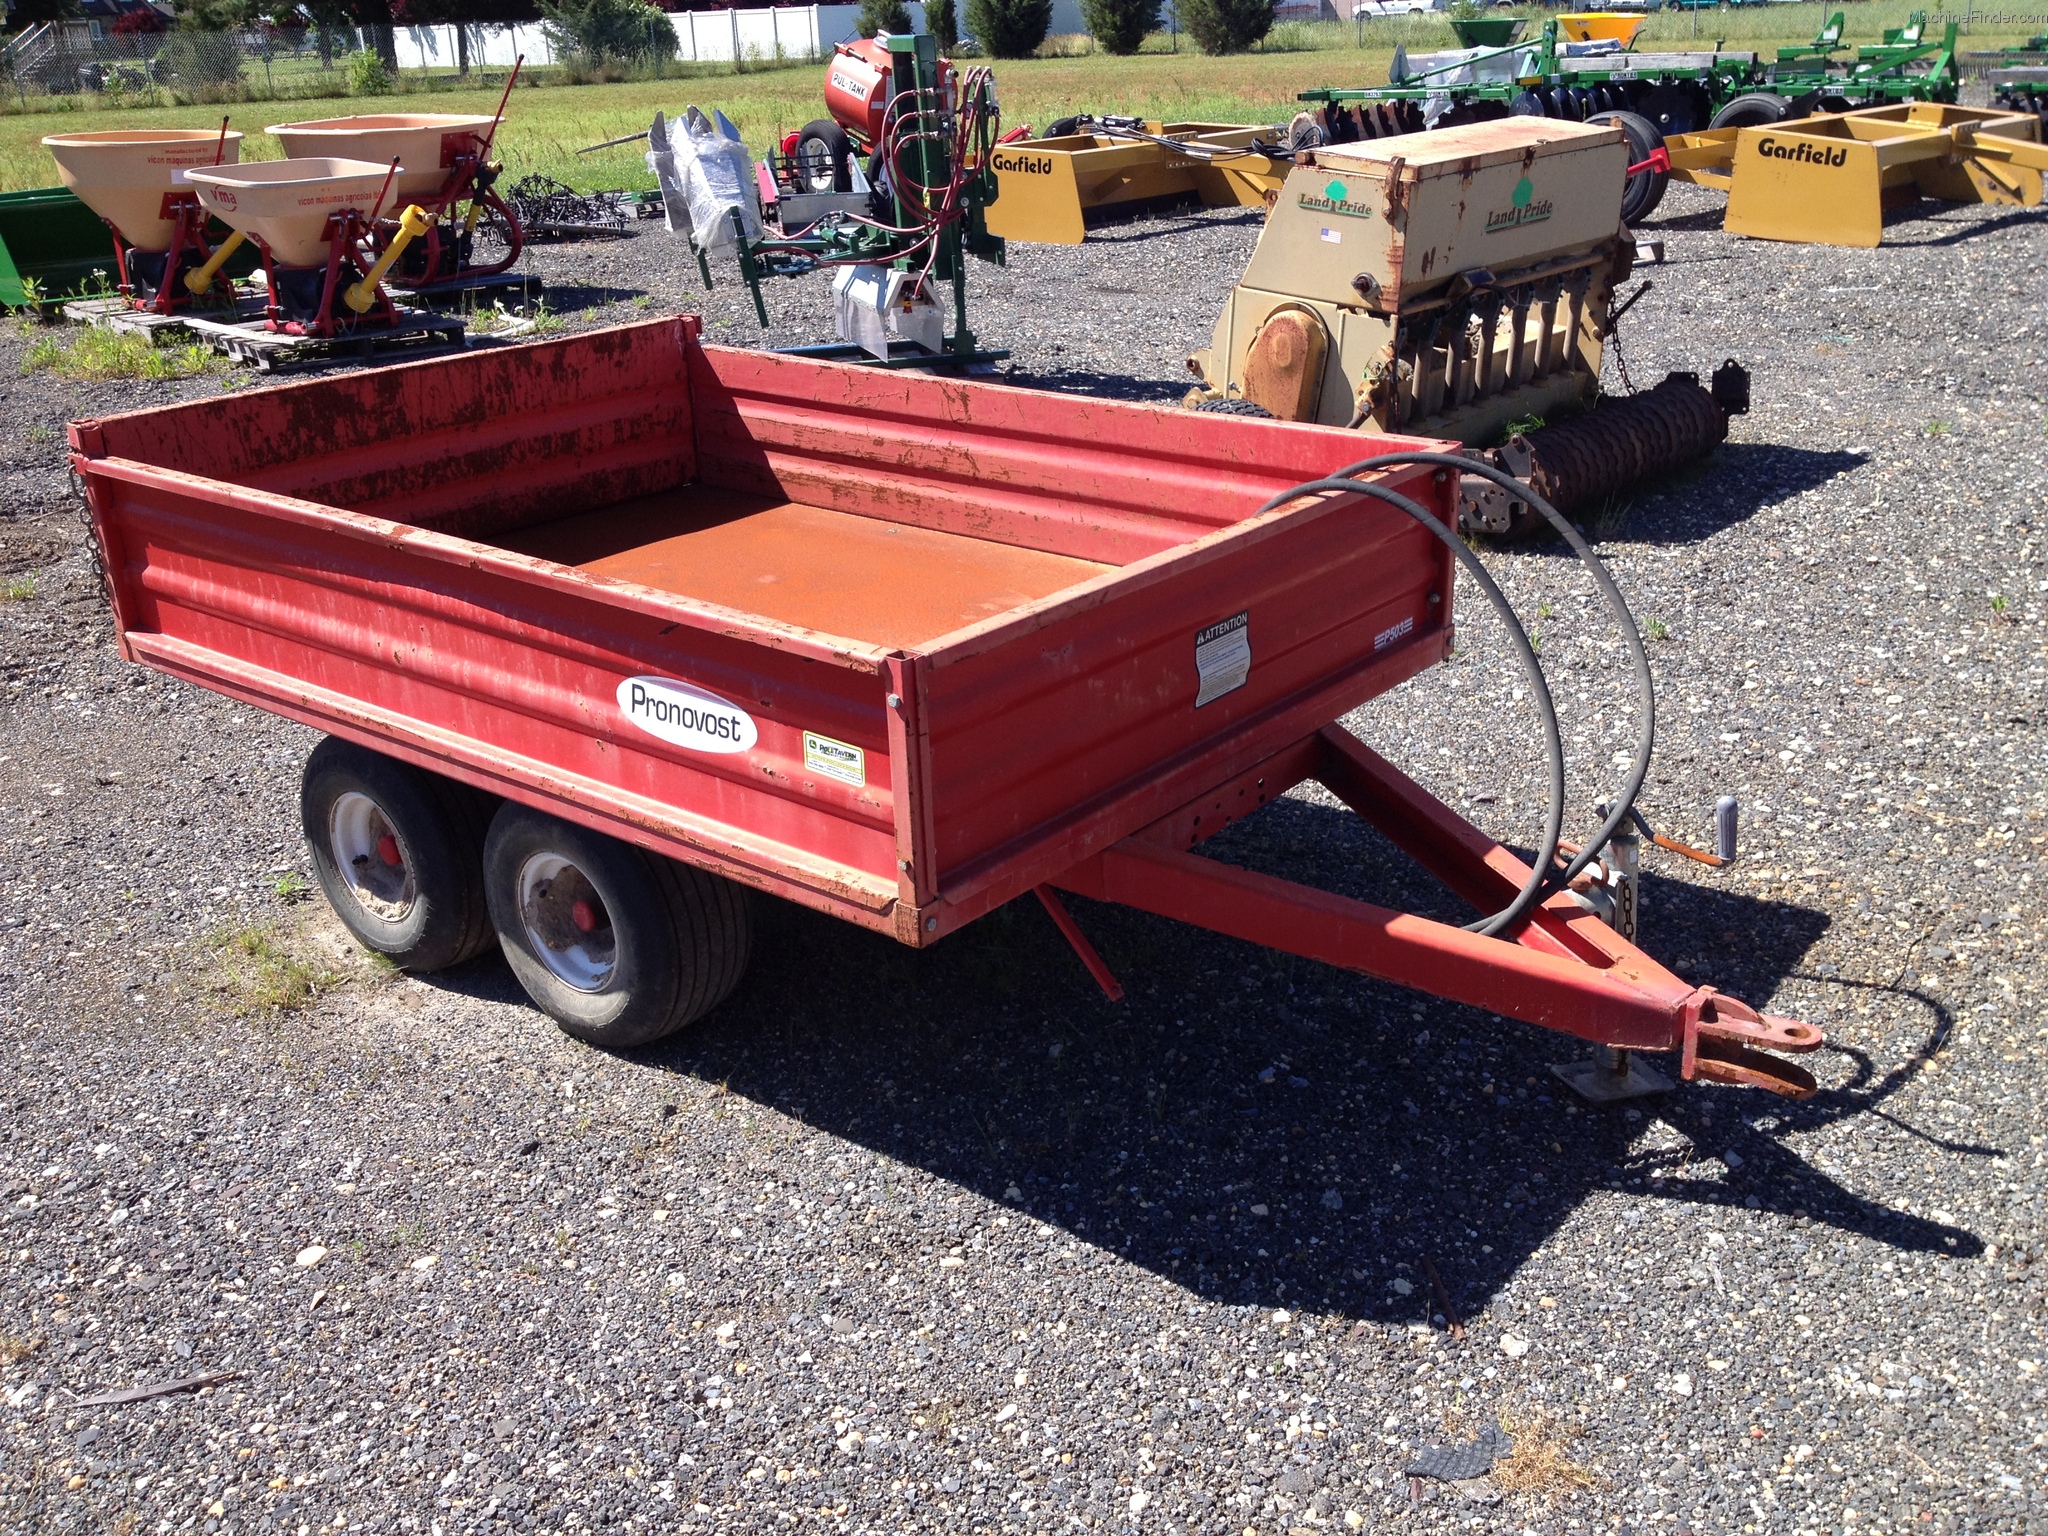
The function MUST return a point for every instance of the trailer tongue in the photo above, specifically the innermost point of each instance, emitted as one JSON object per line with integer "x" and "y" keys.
{"x": 898, "y": 648}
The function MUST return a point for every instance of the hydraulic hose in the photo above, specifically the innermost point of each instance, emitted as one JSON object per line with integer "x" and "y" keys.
{"x": 1344, "y": 480}
{"x": 1610, "y": 594}
{"x": 1553, "y": 819}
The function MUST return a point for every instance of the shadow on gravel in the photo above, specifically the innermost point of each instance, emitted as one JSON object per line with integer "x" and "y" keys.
{"x": 1926, "y": 216}
{"x": 1701, "y": 219}
{"x": 571, "y": 298}
{"x": 1153, "y": 223}
{"x": 1729, "y": 486}
{"x": 1257, "y": 1128}
{"x": 1108, "y": 386}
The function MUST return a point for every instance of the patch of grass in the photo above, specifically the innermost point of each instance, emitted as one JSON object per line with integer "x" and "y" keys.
{"x": 1938, "y": 428}
{"x": 1521, "y": 427}
{"x": 545, "y": 321}
{"x": 20, "y": 589}
{"x": 39, "y": 435}
{"x": 94, "y": 353}
{"x": 263, "y": 970}
{"x": 489, "y": 319}
{"x": 14, "y": 1350}
{"x": 1656, "y": 629}
{"x": 1540, "y": 1466}
{"x": 292, "y": 887}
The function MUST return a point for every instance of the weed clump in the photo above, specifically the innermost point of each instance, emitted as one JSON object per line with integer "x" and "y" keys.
{"x": 1540, "y": 1465}
{"x": 263, "y": 971}
{"x": 98, "y": 354}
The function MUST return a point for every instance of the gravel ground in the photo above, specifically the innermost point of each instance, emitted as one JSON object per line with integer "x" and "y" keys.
{"x": 944, "y": 1242}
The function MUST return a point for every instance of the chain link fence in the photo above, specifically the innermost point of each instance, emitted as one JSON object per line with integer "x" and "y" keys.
{"x": 107, "y": 65}
{"x": 90, "y": 59}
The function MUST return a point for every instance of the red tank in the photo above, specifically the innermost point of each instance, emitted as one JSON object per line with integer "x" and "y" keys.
{"x": 857, "y": 88}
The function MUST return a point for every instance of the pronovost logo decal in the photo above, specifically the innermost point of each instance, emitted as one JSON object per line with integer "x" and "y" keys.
{"x": 685, "y": 716}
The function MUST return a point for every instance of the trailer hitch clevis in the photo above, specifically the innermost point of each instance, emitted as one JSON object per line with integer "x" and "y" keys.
{"x": 1725, "y": 1042}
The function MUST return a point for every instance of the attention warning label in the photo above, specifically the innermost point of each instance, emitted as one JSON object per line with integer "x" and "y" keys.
{"x": 1223, "y": 657}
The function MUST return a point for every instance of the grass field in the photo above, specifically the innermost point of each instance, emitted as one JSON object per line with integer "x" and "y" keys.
{"x": 545, "y": 126}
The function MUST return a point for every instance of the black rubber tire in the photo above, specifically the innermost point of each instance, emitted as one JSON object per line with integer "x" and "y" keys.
{"x": 1752, "y": 109}
{"x": 438, "y": 826}
{"x": 680, "y": 938}
{"x": 831, "y": 141}
{"x": 1645, "y": 190}
{"x": 1234, "y": 407}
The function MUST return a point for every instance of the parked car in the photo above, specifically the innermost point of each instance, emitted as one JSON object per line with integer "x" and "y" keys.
{"x": 1376, "y": 8}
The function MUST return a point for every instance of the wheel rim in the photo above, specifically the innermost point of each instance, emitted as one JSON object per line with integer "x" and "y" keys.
{"x": 567, "y": 923}
{"x": 816, "y": 167}
{"x": 367, "y": 850}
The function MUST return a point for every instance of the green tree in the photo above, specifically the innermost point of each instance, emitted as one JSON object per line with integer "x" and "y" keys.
{"x": 1226, "y": 26}
{"x": 1120, "y": 25}
{"x": 201, "y": 51}
{"x": 608, "y": 29}
{"x": 23, "y": 14}
{"x": 1009, "y": 29}
{"x": 366, "y": 75}
{"x": 877, "y": 16}
{"x": 943, "y": 22}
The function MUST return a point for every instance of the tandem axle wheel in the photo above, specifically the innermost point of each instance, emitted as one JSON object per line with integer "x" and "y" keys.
{"x": 617, "y": 945}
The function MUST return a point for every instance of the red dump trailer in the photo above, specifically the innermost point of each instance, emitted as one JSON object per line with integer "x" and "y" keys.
{"x": 606, "y": 630}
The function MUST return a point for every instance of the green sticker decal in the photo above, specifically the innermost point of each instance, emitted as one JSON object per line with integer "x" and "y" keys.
{"x": 1336, "y": 198}
{"x": 1524, "y": 209}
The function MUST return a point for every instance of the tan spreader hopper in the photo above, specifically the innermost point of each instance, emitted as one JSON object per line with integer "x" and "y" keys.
{"x": 286, "y": 204}
{"x": 425, "y": 144}
{"x": 1447, "y": 282}
{"x": 128, "y": 176}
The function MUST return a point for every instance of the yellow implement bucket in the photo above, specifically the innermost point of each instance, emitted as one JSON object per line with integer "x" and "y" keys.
{"x": 1049, "y": 186}
{"x": 1597, "y": 26}
{"x": 1827, "y": 180}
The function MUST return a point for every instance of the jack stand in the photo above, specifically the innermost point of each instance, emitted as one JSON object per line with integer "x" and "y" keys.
{"x": 1615, "y": 1074}
{"x": 1611, "y": 1075}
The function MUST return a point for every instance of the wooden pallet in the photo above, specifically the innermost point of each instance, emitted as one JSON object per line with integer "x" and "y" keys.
{"x": 268, "y": 350}
{"x": 113, "y": 314}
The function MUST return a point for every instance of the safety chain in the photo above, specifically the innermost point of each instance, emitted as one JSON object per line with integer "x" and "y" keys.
{"x": 1620, "y": 362}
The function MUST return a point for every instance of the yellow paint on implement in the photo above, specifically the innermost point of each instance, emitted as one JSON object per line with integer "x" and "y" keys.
{"x": 1049, "y": 186}
{"x": 1598, "y": 26}
{"x": 1827, "y": 180}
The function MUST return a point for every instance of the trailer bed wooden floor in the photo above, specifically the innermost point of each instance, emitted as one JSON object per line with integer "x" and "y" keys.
{"x": 860, "y": 578}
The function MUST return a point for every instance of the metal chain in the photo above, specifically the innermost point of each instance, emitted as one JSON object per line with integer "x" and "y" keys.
{"x": 1620, "y": 362}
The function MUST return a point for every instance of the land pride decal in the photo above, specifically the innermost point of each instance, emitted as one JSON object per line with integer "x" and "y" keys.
{"x": 1523, "y": 209}
{"x": 1336, "y": 198}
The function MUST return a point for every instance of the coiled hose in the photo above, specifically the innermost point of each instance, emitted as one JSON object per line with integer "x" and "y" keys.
{"x": 1542, "y": 875}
